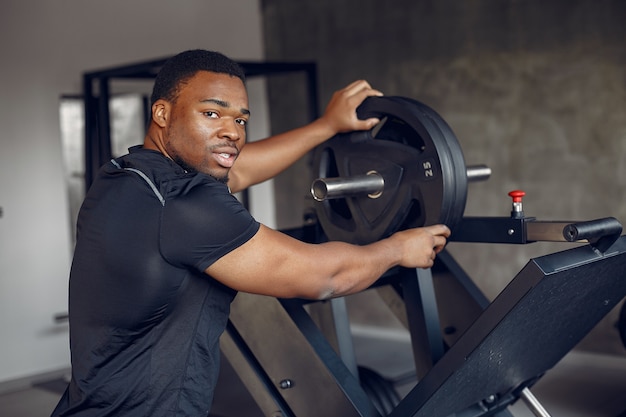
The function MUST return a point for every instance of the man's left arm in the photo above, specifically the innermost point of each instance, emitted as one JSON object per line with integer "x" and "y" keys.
{"x": 264, "y": 159}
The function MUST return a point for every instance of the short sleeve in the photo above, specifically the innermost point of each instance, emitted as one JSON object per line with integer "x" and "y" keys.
{"x": 202, "y": 225}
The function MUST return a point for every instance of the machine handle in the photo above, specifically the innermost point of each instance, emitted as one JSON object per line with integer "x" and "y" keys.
{"x": 600, "y": 233}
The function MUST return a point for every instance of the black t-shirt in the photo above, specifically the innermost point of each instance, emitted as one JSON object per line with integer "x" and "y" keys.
{"x": 145, "y": 320}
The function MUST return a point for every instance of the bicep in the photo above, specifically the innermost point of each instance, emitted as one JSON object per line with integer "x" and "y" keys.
{"x": 272, "y": 263}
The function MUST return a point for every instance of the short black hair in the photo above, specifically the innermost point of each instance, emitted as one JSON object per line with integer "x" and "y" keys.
{"x": 185, "y": 65}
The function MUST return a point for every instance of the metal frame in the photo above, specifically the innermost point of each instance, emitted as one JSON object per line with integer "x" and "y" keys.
{"x": 465, "y": 373}
{"x": 540, "y": 316}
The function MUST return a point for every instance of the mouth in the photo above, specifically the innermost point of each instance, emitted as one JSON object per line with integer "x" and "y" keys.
{"x": 226, "y": 159}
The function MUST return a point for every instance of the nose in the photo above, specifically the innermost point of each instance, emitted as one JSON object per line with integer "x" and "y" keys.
{"x": 231, "y": 130}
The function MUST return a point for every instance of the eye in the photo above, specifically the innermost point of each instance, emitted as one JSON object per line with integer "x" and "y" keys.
{"x": 211, "y": 114}
{"x": 241, "y": 122}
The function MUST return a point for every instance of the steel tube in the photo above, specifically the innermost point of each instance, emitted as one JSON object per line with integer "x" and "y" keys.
{"x": 371, "y": 184}
{"x": 478, "y": 173}
{"x": 546, "y": 231}
{"x": 533, "y": 404}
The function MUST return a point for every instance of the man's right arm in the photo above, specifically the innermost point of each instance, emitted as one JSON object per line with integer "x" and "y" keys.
{"x": 272, "y": 263}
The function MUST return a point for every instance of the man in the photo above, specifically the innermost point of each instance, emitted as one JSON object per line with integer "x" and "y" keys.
{"x": 163, "y": 246}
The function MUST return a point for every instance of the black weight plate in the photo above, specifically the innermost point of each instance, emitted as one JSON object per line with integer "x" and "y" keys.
{"x": 420, "y": 160}
{"x": 454, "y": 170}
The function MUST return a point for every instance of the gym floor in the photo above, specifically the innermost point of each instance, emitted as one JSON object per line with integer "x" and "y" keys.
{"x": 581, "y": 385}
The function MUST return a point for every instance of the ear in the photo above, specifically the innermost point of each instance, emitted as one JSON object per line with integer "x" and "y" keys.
{"x": 161, "y": 112}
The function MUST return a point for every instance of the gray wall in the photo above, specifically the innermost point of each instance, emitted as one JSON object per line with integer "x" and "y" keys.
{"x": 535, "y": 89}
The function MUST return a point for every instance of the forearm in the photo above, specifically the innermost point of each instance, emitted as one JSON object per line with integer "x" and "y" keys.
{"x": 358, "y": 267}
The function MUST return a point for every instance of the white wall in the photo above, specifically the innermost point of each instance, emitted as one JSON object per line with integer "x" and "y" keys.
{"x": 45, "y": 46}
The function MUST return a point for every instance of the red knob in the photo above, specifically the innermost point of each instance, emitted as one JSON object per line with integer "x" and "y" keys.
{"x": 517, "y": 195}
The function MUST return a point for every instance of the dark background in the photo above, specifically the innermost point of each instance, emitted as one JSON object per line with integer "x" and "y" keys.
{"x": 534, "y": 89}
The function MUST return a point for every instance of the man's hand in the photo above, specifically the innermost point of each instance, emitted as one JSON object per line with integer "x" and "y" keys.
{"x": 421, "y": 245}
{"x": 340, "y": 114}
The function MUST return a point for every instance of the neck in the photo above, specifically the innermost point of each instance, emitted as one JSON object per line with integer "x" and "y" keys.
{"x": 154, "y": 140}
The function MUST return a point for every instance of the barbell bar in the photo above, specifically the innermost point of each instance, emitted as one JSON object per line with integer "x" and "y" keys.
{"x": 372, "y": 184}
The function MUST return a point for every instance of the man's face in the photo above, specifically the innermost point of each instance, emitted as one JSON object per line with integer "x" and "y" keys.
{"x": 207, "y": 125}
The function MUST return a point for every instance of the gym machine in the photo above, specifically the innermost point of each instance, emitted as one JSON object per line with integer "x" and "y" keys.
{"x": 409, "y": 171}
